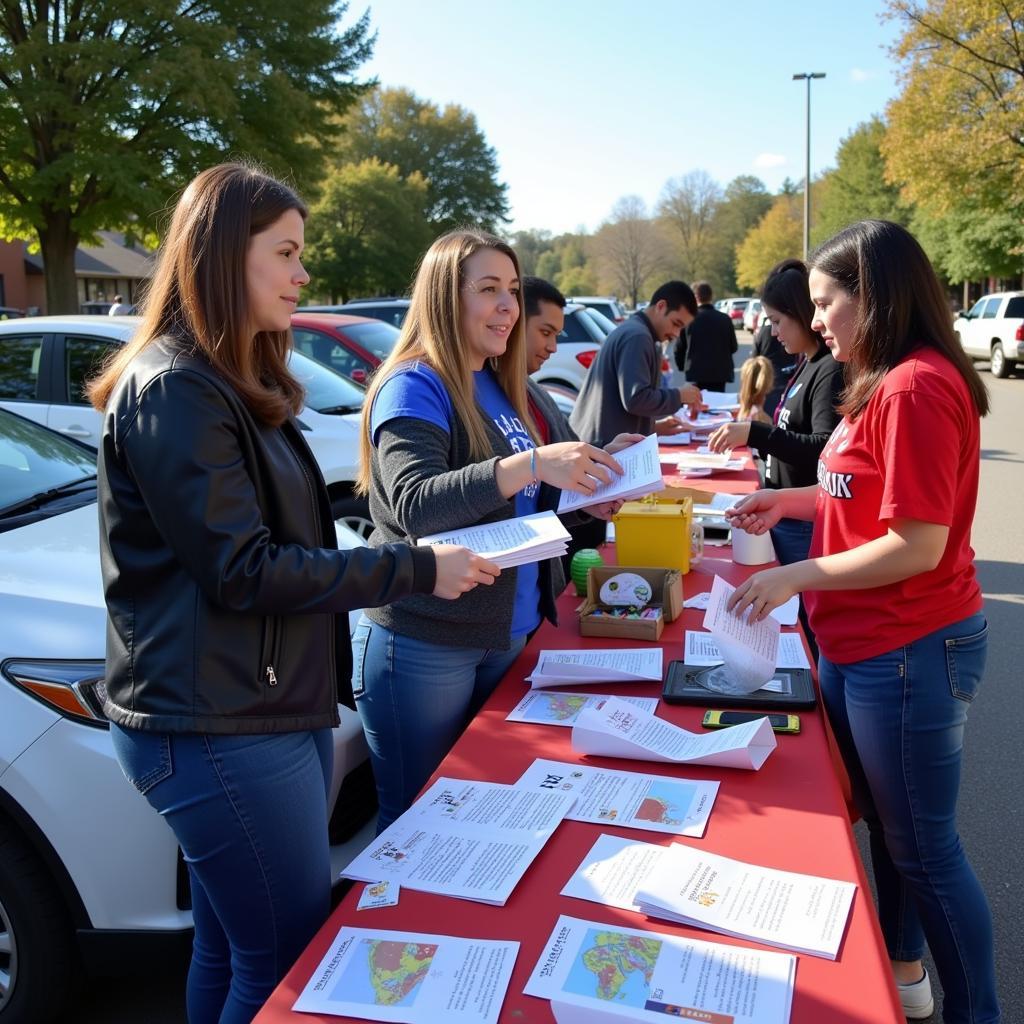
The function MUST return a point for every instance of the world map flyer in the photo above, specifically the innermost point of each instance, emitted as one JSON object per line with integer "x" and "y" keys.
{"x": 410, "y": 978}
{"x": 596, "y": 972}
{"x": 553, "y": 707}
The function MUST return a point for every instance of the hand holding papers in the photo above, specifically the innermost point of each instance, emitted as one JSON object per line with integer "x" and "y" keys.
{"x": 473, "y": 840}
{"x": 749, "y": 650}
{"x": 510, "y": 542}
{"x": 781, "y": 908}
{"x": 375, "y": 974}
{"x": 641, "y": 475}
{"x": 618, "y": 730}
{"x": 561, "y": 668}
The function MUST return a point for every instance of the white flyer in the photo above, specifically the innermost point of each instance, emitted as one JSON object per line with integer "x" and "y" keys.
{"x": 618, "y": 730}
{"x": 683, "y": 437}
{"x": 613, "y": 872}
{"x": 596, "y": 972}
{"x": 804, "y": 913}
{"x": 701, "y": 649}
{"x": 473, "y": 840}
{"x": 556, "y": 707}
{"x": 722, "y": 401}
{"x": 510, "y": 542}
{"x": 641, "y": 475}
{"x": 610, "y": 665}
{"x": 410, "y": 978}
{"x": 749, "y": 650}
{"x": 657, "y": 803}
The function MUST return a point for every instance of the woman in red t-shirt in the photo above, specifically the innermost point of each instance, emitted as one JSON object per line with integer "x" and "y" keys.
{"x": 891, "y": 592}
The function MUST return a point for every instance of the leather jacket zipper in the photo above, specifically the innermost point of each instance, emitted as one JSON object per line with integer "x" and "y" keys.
{"x": 270, "y": 652}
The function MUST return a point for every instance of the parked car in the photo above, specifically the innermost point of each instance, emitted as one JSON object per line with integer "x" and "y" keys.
{"x": 606, "y": 304}
{"x": 752, "y": 315}
{"x": 10, "y": 313}
{"x": 993, "y": 329}
{"x": 734, "y": 309}
{"x": 88, "y": 873}
{"x": 577, "y": 346}
{"x": 96, "y": 307}
{"x": 353, "y": 346}
{"x": 391, "y": 311}
{"x": 45, "y": 361}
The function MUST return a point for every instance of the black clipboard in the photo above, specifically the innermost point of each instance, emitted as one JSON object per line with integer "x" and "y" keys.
{"x": 685, "y": 684}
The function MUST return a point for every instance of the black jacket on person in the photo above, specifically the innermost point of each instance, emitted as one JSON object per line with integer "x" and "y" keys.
{"x": 767, "y": 345}
{"x": 705, "y": 349}
{"x": 806, "y": 420}
{"x": 226, "y": 594}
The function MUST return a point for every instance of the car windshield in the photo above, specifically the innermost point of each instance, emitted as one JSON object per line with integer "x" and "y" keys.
{"x": 581, "y": 329}
{"x": 35, "y": 461}
{"x": 606, "y": 325}
{"x": 378, "y": 338}
{"x": 326, "y": 391}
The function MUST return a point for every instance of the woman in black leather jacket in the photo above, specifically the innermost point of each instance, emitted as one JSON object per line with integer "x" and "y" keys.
{"x": 227, "y": 632}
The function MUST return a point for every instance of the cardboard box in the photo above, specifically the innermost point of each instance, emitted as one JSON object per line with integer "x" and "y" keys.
{"x": 655, "y": 534}
{"x": 666, "y": 585}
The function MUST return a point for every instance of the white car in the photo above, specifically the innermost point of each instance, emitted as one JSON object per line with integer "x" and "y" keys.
{"x": 46, "y": 361}
{"x": 607, "y": 305}
{"x": 993, "y": 329}
{"x": 88, "y": 872}
{"x": 577, "y": 345}
{"x": 752, "y": 315}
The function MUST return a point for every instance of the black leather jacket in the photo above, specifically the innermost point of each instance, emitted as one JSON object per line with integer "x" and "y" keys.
{"x": 225, "y": 590}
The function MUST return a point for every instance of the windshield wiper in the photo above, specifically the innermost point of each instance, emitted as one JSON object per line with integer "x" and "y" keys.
{"x": 334, "y": 410}
{"x": 45, "y": 497}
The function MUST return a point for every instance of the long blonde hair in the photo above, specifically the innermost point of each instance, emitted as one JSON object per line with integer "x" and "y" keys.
{"x": 757, "y": 378}
{"x": 433, "y": 333}
{"x": 199, "y": 292}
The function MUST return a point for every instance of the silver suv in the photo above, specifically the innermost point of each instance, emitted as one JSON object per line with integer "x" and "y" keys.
{"x": 993, "y": 329}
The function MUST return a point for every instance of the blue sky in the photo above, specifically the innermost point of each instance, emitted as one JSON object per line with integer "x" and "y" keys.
{"x": 585, "y": 102}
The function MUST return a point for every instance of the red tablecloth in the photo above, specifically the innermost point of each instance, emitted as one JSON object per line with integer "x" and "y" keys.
{"x": 790, "y": 815}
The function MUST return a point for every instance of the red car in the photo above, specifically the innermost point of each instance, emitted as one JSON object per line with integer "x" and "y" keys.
{"x": 353, "y": 346}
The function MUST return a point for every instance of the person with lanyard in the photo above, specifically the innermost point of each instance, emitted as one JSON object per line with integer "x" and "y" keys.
{"x": 893, "y": 596}
{"x": 448, "y": 441}
{"x": 806, "y": 414}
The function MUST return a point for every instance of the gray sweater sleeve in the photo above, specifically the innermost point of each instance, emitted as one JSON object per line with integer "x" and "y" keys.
{"x": 425, "y": 493}
{"x": 635, "y": 372}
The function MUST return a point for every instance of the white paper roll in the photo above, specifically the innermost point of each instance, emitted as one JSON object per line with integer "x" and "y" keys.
{"x": 751, "y": 549}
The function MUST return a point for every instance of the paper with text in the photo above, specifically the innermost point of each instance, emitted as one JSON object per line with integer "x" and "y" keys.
{"x": 577, "y": 667}
{"x": 557, "y": 707}
{"x": 613, "y": 872}
{"x": 510, "y": 542}
{"x": 701, "y": 649}
{"x": 641, "y": 475}
{"x": 749, "y": 650}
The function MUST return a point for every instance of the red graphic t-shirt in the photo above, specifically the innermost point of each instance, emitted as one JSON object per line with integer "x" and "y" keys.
{"x": 913, "y": 453}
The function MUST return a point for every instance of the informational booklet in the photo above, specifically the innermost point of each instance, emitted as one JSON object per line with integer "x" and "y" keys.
{"x": 595, "y": 973}
{"x": 412, "y": 978}
{"x": 472, "y": 840}
{"x": 780, "y": 908}
{"x": 700, "y": 649}
{"x": 618, "y": 730}
{"x": 510, "y": 542}
{"x": 556, "y": 707}
{"x": 749, "y": 650}
{"x": 629, "y": 665}
{"x": 656, "y": 803}
{"x": 641, "y": 475}
{"x": 613, "y": 871}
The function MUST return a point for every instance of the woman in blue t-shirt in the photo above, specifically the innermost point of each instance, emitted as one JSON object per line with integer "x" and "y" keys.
{"x": 448, "y": 441}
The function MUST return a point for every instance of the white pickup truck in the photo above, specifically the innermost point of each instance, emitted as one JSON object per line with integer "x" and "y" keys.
{"x": 993, "y": 329}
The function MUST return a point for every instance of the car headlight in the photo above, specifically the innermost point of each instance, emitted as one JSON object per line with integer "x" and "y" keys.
{"x": 73, "y": 688}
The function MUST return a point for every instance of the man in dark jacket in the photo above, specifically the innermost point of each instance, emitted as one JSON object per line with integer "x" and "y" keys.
{"x": 704, "y": 351}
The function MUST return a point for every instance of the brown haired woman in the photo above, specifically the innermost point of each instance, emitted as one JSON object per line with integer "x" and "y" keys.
{"x": 448, "y": 442}
{"x": 226, "y": 643}
{"x": 892, "y": 595}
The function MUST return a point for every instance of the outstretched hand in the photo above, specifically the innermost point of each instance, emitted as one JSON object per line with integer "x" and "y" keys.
{"x": 460, "y": 570}
{"x": 757, "y": 512}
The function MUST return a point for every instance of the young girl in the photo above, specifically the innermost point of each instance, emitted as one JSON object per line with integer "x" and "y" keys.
{"x": 892, "y": 595}
{"x": 757, "y": 378}
{"x": 227, "y": 600}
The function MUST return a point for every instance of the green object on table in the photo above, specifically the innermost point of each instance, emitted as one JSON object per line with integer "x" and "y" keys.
{"x": 581, "y": 562}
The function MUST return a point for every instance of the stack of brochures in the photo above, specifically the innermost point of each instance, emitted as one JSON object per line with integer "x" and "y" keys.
{"x": 632, "y": 665}
{"x": 510, "y": 542}
{"x": 641, "y": 475}
{"x": 804, "y": 913}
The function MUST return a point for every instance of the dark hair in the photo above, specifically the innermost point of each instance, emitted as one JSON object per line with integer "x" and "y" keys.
{"x": 535, "y": 291}
{"x": 199, "y": 291}
{"x": 676, "y": 294}
{"x": 703, "y": 292}
{"x": 785, "y": 290}
{"x": 901, "y": 307}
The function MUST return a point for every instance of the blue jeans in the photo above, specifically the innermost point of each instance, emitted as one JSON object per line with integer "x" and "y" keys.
{"x": 899, "y": 720}
{"x": 250, "y": 815}
{"x": 415, "y": 698}
{"x": 791, "y": 539}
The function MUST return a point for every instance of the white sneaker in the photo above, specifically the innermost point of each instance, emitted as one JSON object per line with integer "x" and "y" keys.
{"x": 916, "y": 998}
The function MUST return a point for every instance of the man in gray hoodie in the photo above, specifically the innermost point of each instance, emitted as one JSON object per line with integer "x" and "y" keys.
{"x": 623, "y": 390}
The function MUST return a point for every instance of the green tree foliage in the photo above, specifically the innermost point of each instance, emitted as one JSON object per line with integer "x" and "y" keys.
{"x": 688, "y": 205}
{"x": 744, "y": 202}
{"x": 778, "y": 236}
{"x": 107, "y": 108}
{"x": 366, "y": 231}
{"x": 529, "y": 247}
{"x": 857, "y": 188}
{"x": 970, "y": 245}
{"x": 446, "y": 146}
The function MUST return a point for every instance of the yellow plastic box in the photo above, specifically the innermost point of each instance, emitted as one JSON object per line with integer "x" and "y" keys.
{"x": 654, "y": 534}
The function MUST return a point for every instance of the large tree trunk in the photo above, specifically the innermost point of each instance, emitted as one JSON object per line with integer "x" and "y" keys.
{"x": 58, "y": 242}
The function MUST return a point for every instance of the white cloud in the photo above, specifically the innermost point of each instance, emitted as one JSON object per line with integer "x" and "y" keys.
{"x": 764, "y": 161}
{"x": 860, "y": 75}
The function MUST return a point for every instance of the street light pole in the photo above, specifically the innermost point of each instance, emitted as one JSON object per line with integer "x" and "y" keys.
{"x": 808, "y": 75}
